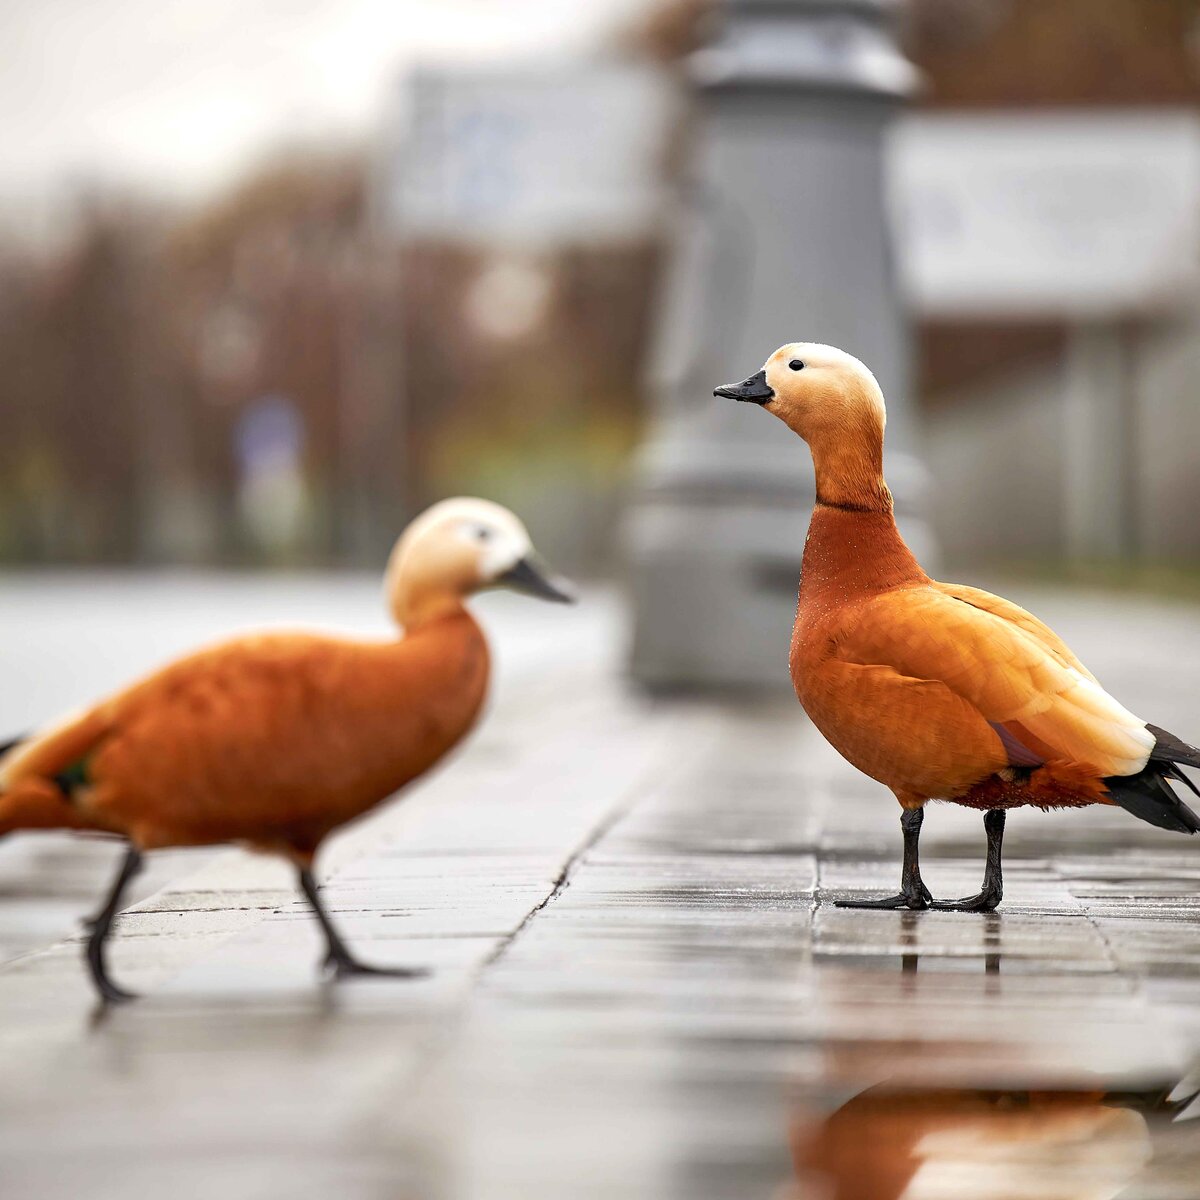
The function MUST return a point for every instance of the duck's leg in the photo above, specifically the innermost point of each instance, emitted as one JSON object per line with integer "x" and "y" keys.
{"x": 338, "y": 959}
{"x": 993, "y": 878}
{"x": 913, "y": 893}
{"x": 100, "y": 926}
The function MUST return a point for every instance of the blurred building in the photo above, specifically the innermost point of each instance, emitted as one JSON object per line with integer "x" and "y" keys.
{"x": 528, "y": 206}
{"x": 280, "y": 374}
{"x": 287, "y": 372}
{"x": 1050, "y": 240}
{"x": 137, "y": 356}
{"x": 1086, "y": 224}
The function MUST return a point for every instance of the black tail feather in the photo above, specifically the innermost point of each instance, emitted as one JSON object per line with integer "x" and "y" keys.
{"x": 5, "y": 747}
{"x": 1169, "y": 748}
{"x": 1173, "y": 772}
{"x": 1148, "y": 796}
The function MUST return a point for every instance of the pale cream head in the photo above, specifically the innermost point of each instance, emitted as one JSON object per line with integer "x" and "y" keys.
{"x": 822, "y": 389}
{"x": 835, "y": 404}
{"x": 458, "y": 547}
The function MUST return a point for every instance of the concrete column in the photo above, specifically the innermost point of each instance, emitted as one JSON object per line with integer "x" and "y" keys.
{"x": 785, "y": 239}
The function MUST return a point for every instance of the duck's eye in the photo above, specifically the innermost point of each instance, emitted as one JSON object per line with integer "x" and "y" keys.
{"x": 796, "y": 365}
{"x": 482, "y": 533}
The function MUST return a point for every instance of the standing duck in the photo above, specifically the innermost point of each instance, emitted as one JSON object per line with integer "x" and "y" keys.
{"x": 939, "y": 691}
{"x": 275, "y": 740}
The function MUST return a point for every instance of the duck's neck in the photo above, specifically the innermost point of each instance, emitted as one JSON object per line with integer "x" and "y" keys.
{"x": 850, "y": 552}
{"x": 853, "y": 545}
{"x": 415, "y": 607}
{"x": 849, "y": 468}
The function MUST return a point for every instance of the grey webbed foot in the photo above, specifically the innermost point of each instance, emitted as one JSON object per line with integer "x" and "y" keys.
{"x": 916, "y": 899}
{"x": 985, "y": 901}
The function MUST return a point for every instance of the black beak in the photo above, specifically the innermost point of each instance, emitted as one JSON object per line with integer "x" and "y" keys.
{"x": 528, "y": 577}
{"x": 755, "y": 389}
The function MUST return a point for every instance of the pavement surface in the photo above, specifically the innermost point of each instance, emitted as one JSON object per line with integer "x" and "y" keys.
{"x": 640, "y": 985}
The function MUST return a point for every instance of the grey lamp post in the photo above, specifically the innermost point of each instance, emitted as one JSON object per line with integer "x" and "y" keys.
{"x": 786, "y": 239}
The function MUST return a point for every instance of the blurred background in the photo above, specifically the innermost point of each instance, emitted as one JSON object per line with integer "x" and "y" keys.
{"x": 275, "y": 275}
{"x": 272, "y": 277}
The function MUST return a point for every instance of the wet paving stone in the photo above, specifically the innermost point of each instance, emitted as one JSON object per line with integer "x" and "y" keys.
{"x": 640, "y": 983}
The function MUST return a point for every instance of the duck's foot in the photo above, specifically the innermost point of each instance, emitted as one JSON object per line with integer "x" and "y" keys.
{"x": 985, "y": 901}
{"x": 917, "y": 899}
{"x": 110, "y": 992}
{"x": 347, "y": 967}
{"x": 339, "y": 963}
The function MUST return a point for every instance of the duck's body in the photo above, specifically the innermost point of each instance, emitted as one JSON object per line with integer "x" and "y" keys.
{"x": 939, "y": 691}
{"x": 272, "y": 740}
{"x": 877, "y": 642}
{"x": 275, "y": 740}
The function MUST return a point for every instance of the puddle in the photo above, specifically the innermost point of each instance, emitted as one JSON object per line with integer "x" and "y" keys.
{"x": 890, "y": 1142}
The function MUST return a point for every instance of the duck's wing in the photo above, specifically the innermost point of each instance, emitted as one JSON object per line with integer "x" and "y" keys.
{"x": 1015, "y": 615}
{"x": 1042, "y": 705}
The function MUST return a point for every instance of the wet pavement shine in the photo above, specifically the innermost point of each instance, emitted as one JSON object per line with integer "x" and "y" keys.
{"x": 640, "y": 987}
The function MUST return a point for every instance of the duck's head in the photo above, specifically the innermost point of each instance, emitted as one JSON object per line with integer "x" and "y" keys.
{"x": 833, "y": 402}
{"x": 817, "y": 391}
{"x": 458, "y": 547}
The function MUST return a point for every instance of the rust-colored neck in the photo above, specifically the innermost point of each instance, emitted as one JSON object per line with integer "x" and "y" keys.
{"x": 414, "y": 605}
{"x": 853, "y": 544}
{"x": 848, "y": 461}
{"x": 454, "y": 654}
{"x": 851, "y": 551}
{"x": 441, "y": 613}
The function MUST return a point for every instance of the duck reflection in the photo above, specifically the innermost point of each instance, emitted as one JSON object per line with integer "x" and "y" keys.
{"x": 910, "y": 958}
{"x": 892, "y": 1143}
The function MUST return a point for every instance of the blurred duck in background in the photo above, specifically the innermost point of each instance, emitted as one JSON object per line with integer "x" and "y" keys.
{"x": 275, "y": 740}
{"x": 939, "y": 691}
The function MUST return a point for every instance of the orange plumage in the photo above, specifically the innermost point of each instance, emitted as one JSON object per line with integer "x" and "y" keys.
{"x": 272, "y": 740}
{"x": 938, "y": 691}
{"x": 275, "y": 740}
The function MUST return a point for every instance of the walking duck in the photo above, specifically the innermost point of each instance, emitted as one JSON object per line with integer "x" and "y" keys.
{"x": 939, "y": 691}
{"x": 275, "y": 740}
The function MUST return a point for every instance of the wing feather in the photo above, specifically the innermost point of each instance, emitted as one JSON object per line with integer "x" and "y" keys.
{"x": 1005, "y": 667}
{"x": 1018, "y": 616}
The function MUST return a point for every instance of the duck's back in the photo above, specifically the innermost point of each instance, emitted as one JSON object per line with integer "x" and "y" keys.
{"x": 274, "y": 738}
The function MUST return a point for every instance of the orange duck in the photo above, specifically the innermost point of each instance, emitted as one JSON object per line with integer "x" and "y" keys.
{"x": 275, "y": 740}
{"x": 939, "y": 691}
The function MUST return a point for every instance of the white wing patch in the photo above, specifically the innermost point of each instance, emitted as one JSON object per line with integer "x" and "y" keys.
{"x": 1083, "y": 719}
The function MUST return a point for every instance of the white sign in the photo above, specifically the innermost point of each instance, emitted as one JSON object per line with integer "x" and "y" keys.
{"x": 539, "y": 154}
{"x": 1047, "y": 214}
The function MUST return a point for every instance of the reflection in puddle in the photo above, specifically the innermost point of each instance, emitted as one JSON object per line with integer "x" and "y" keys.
{"x": 910, "y": 959}
{"x": 890, "y": 1142}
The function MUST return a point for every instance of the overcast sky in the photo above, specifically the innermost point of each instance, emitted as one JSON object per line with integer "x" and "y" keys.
{"x": 177, "y": 96}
